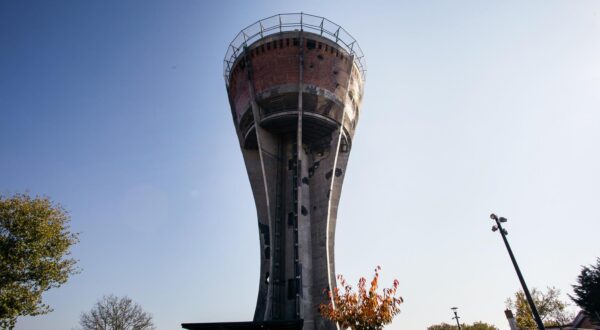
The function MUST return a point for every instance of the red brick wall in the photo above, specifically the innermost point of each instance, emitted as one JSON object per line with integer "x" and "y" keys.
{"x": 275, "y": 62}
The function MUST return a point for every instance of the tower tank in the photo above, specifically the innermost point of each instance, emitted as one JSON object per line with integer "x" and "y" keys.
{"x": 295, "y": 84}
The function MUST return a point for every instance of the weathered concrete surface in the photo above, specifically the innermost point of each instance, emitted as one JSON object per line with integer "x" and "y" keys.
{"x": 297, "y": 86}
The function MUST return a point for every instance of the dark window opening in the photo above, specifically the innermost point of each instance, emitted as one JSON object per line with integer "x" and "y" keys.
{"x": 319, "y": 45}
{"x": 311, "y": 44}
{"x": 268, "y": 252}
{"x": 290, "y": 219}
{"x": 292, "y": 288}
{"x": 264, "y": 230}
{"x": 268, "y": 46}
{"x": 320, "y": 57}
{"x": 295, "y": 41}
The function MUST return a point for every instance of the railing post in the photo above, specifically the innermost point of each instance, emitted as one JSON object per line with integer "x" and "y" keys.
{"x": 322, "y": 21}
{"x": 261, "y": 29}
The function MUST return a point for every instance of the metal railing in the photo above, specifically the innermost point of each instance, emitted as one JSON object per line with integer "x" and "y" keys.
{"x": 292, "y": 22}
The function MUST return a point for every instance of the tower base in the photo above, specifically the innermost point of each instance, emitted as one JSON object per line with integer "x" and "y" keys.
{"x": 267, "y": 325}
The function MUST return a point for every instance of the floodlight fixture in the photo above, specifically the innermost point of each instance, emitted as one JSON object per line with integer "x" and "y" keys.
{"x": 456, "y": 317}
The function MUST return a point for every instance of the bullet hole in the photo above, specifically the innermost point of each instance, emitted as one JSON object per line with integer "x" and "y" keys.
{"x": 328, "y": 175}
{"x": 338, "y": 172}
{"x": 311, "y": 172}
{"x": 317, "y": 163}
{"x": 320, "y": 57}
{"x": 314, "y": 208}
{"x": 303, "y": 210}
{"x": 311, "y": 66}
{"x": 335, "y": 72}
{"x": 305, "y": 180}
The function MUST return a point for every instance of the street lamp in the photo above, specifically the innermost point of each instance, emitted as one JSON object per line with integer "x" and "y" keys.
{"x": 503, "y": 233}
{"x": 456, "y": 317}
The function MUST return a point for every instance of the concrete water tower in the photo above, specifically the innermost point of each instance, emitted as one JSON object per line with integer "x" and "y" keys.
{"x": 295, "y": 84}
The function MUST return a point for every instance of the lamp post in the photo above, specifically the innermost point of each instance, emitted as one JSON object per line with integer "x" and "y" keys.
{"x": 503, "y": 233}
{"x": 456, "y": 317}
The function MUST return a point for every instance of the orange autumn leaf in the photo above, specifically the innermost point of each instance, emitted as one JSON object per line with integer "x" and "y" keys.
{"x": 364, "y": 309}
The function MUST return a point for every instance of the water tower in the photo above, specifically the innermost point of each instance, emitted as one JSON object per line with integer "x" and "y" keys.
{"x": 295, "y": 84}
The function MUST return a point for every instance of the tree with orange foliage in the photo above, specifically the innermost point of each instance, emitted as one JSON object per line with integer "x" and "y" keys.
{"x": 362, "y": 310}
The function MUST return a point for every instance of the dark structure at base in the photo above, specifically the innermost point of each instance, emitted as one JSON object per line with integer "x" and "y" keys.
{"x": 268, "y": 325}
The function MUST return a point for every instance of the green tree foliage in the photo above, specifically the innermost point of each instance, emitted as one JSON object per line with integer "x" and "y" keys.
{"x": 34, "y": 245}
{"x": 474, "y": 326}
{"x": 587, "y": 291}
{"x": 551, "y": 308}
{"x": 112, "y": 313}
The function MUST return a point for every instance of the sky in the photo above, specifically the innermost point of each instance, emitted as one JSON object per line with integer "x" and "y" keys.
{"x": 117, "y": 110}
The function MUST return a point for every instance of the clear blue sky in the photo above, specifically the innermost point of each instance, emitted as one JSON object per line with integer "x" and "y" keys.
{"x": 118, "y": 110}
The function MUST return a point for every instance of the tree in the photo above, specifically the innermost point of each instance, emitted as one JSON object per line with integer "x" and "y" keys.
{"x": 364, "y": 309}
{"x": 112, "y": 313}
{"x": 552, "y": 310}
{"x": 587, "y": 291}
{"x": 34, "y": 245}
{"x": 475, "y": 326}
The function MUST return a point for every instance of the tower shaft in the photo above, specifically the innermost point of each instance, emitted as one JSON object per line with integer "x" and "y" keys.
{"x": 295, "y": 98}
